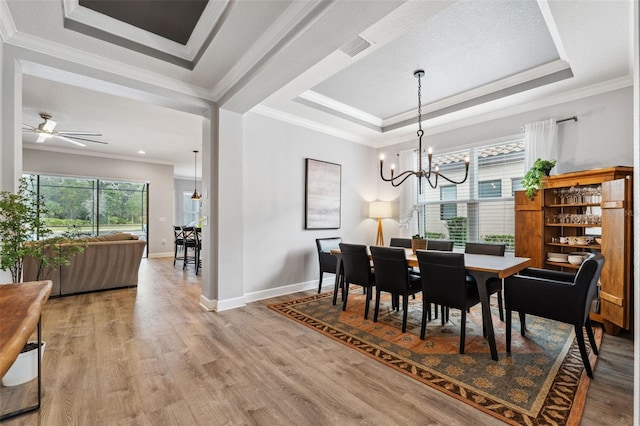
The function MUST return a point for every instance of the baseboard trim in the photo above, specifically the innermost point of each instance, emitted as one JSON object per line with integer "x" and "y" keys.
{"x": 156, "y": 255}
{"x": 239, "y": 302}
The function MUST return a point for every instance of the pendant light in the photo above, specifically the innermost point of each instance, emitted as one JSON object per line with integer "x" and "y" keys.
{"x": 195, "y": 195}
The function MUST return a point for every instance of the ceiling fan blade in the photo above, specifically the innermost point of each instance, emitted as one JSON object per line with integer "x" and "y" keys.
{"x": 70, "y": 133}
{"x": 85, "y": 139}
{"x": 70, "y": 140}
{"x": 27, "y": 127}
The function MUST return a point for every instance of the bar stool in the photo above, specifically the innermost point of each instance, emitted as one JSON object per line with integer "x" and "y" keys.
{"x": 178, "y": 242}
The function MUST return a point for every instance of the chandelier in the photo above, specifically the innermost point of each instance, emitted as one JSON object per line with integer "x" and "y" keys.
{"x": 431, "y": 172}
{"x": 195, "y": 195}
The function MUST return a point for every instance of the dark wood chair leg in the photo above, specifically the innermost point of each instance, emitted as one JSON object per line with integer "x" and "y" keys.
{"x": 499, "y": 295}
{"x": 425, "y": 308}
{"x": 592, "y": 339}
{"x": 367, "y": 291}
{"x": 583, "y": 350}
{"x": 405, "y": 309}
{"x": 320, "y": 282}
{"x": 345, "y": 295}
{"x": 376, "y": 306}
{"x": 523, "y": 320}
{"x": 508, "y": 331}
{"x": 463, "y": 328}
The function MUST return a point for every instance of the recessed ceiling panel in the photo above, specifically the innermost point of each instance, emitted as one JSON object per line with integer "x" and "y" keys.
{"x": 465, "y": 46}
{"x": 171, "y": 19}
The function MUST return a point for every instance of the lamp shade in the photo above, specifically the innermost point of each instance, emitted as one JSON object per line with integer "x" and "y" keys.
{"x": 379, "y": 209}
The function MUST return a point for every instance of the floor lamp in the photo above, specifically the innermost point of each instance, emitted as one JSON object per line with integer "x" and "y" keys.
{"x": 379, "y": 210}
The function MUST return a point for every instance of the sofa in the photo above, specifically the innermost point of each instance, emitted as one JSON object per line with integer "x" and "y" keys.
{"x": 107, "y": 262}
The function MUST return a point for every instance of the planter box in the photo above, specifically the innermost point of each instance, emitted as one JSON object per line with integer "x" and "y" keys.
{"x": 25, "y": 367}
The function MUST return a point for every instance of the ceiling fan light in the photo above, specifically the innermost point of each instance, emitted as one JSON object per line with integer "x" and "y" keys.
{"x": 47, "y": 126}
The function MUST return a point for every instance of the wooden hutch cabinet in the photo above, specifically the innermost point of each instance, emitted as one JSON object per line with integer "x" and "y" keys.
{"x": 596, "y": 204}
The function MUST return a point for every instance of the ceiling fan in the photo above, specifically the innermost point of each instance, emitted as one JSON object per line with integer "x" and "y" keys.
{"x": 46, "y": 130}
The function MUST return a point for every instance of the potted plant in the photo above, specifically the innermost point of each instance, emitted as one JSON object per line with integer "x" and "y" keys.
{"x": 24, "y": 234}
{"x": 418, "y": 242}
{"x": 532, "y": 180}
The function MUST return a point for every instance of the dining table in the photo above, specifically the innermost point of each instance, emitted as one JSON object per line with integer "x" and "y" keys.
{"x": 480, "y": 266}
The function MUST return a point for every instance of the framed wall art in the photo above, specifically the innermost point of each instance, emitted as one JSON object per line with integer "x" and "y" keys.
{"x": 323, "y": 182}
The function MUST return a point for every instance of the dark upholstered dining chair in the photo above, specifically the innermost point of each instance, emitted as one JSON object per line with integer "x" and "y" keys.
{"x": 440, "y": 245}
{"x": 400, "y": 242}
{"x": 357, "y": 270}
{"x": 556, "y": 295}
{"x": 326, "y": 261}
{"x": 392, "y": 276}
{"x": 445, "y": 284}
{"x": 494, "y": 285}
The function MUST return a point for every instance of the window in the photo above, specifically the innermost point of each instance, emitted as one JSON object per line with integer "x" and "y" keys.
{"x": 516, "y": 185}
{"x": 480, "y": 209}
{"x": 490, "y": 189}
{"x": 191, "y": 209}
{"x": 448, "y": 211}
{"x": 93, "y": 206}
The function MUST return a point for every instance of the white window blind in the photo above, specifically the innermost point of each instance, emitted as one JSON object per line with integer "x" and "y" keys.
{"x": 482, "y": 208}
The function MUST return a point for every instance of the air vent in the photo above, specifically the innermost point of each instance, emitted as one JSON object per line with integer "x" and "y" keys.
{"x": 355, "y": 46}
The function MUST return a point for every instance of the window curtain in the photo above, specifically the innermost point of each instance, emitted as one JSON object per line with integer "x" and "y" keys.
{"x": 540, "y": 142}
{"x": 408, "y": 195}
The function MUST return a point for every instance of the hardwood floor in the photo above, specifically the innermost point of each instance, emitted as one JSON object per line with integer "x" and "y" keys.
{"x": 152, "y": 356}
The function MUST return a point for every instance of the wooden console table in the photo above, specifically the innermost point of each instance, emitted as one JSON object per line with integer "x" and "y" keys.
{"x": 21, "y": 307}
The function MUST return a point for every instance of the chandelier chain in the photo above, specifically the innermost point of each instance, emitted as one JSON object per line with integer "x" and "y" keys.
{"x": 419, "y": 105}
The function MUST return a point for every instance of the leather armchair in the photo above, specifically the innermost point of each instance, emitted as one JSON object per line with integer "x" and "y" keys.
{"x": 557, "y": 296}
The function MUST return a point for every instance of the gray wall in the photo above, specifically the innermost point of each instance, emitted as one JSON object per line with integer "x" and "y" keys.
{"x": 160, "y": 178}
{"x": 278, "y": 251}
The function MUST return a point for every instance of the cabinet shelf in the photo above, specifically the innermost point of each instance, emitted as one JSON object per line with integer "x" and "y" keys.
{"x": 574, "y": 205}
{"x": 563, "y": 264}
{"x": 576, "y": 246}
{"x": 574, "y": 225}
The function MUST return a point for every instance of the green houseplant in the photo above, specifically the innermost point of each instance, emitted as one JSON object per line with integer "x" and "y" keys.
{"x": 531, "y": 181}
{"x": 20, "y": 224}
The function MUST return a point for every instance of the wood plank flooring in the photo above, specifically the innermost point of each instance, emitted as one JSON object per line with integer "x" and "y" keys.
{"x": 152, "y": 356}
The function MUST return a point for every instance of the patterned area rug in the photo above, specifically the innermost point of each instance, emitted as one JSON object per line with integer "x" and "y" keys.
{"x": 541, "y": 382}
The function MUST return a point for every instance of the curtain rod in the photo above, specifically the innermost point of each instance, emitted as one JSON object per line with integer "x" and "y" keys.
{"x": 574, "y": 118}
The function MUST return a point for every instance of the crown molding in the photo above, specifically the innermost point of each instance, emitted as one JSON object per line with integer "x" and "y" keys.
{"x": 91, "y": 60}
{"x": 7, "y": 26}
{"x": 308, "y": 124}
{"x": 332, "y": 104}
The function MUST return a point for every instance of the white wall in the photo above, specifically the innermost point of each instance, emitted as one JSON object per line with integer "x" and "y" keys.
{"x": 160, "y": 178}
{"x": 278, "y": 251}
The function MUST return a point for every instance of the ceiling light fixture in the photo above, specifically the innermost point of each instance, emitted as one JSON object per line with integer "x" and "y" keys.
{"x": 195, "y": 195}
{"x": 421, "y": 173}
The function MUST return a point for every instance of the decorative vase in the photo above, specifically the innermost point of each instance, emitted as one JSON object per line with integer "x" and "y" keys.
{"x": 24, "y": 368}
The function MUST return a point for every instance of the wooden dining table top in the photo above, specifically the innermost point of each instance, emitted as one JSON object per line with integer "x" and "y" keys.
{"x": 20, "y": 308}
{"x": 502, "y": 266}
